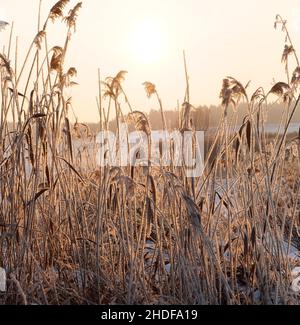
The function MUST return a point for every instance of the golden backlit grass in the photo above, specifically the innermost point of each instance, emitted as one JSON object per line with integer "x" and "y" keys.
{"x": 75, "y": 233}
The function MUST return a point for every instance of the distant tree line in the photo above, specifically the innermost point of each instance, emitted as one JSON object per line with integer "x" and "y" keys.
{"x": 205, "y": 117}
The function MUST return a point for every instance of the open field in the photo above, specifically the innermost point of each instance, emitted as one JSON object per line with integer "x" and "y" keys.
{"x": 72, "y": 232}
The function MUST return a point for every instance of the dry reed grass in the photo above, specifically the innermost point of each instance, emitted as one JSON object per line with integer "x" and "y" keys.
{"x": 74, "y": 233}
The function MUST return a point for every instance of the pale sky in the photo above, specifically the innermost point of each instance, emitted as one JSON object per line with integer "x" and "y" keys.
{"x": 221, "y": 38}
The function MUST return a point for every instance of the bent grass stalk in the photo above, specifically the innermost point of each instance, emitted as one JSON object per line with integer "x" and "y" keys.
{"x": 72, "y": 232}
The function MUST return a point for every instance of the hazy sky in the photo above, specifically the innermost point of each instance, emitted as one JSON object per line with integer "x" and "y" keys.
{"x": 233, "y": 37}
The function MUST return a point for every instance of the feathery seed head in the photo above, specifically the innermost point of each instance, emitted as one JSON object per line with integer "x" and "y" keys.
{"x": 57, "y": 10}
{"x": 73, "y": 15}
{"x": 39, "y": 38}
{"x": 150, "y": 88}
{"x": 3, "y": 25}
{"x": 282, "y": 90}
{"x": 56, "y": 61}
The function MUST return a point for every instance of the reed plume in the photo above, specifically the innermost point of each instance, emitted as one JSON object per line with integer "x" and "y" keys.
{"x": 56, "y": 60}
{"x": 72, "y": 17}
{"x": 150, "y": 88}
{"x": 283, "y": 91}
{"x": 39, "y": 39}
{"x": 141, "y": 122}
{"x": 3, "y": 25}
{"x": 57, "y": 10}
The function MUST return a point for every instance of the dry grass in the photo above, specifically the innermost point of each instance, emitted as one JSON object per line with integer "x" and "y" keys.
{"x": 72, "y": 233}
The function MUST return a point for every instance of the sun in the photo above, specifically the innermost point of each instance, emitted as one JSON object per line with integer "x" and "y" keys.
{"x": 149, "y": 42}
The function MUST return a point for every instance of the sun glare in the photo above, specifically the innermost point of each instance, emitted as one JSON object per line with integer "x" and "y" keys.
{"x": 149, "y": 42}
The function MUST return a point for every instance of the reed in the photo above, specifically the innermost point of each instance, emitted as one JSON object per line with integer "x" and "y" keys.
{"x": 72, "y": 232}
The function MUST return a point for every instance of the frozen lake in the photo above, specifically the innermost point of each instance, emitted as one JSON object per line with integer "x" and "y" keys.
{"x": 272, "y": 128}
